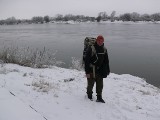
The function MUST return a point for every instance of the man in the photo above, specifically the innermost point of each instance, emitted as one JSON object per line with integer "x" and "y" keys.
{"x": 96, "y": 68}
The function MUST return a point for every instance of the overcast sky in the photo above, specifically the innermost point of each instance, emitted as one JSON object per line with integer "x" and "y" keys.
{"x": 29, "y": 8}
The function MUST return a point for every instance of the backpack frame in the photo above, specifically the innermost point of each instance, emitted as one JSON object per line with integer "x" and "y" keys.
{"x": 88, "y": 41}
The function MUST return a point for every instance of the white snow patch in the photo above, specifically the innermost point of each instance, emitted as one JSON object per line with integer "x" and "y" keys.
{"x": 60, "y": 94}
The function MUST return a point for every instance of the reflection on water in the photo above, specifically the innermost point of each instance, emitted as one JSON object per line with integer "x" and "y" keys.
{"x": 132, "y": 48}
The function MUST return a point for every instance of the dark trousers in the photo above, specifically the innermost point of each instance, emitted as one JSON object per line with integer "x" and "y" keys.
{"x": 90, "y": 84}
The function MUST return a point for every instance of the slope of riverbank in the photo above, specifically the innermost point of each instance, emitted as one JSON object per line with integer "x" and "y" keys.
{"x": 60, "y": 94}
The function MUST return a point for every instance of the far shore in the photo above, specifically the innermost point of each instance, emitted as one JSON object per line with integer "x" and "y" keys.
{"x": 90, "y": 22}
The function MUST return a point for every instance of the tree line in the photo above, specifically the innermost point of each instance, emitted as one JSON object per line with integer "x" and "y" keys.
{"x": 102, "y": 16}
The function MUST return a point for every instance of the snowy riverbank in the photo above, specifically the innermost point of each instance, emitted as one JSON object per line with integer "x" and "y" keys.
{"x": 59, "y": 94}
{"x": 106, "y": 22}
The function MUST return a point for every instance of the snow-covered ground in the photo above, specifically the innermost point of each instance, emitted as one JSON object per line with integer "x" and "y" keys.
{"x": 60, "y": 94}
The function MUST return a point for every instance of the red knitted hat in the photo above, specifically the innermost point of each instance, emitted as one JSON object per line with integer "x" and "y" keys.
{"x": 100, "y": 37}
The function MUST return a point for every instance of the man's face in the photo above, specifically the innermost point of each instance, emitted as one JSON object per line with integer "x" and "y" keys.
{"x": 100, "y": 42}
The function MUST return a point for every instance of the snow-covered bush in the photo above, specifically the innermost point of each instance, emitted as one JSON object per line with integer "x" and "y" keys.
{"x": 29, "y": 57}
{"x": 76, "y": 64}
{"x": 42, "y": 85}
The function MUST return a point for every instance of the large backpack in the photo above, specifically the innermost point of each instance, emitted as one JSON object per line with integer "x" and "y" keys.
{"x": 88, "y": 42}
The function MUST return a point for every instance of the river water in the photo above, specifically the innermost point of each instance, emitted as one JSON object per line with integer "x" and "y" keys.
{"x": 133, "y": 48}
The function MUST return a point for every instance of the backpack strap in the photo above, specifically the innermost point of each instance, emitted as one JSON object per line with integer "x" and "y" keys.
{"x": 93, "y": 66}
{"x": 94, "y": 52}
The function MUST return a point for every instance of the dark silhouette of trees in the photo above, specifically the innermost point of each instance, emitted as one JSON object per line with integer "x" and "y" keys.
{"x": 59, "y": 17}
{"x": 102, "y": 16}
{"x": 98, "y": 18}
{"x": 146, "y": 17}
{"x": 125, "y": 17}
{"x": 135, "y": 17}
{"x": 46, "y": 19}
{"x": 155, "y": 17}
{"x": 37, "y": 19}
{"x": 11, "y": 21}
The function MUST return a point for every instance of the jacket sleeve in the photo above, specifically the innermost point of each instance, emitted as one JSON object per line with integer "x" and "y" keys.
{"x": 87, "y": 60}
{"x": 106, "y": 60}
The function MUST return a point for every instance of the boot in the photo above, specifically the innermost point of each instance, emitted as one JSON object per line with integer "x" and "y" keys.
{"x": 90, "y": 96}
{"x": 99, "y": 99}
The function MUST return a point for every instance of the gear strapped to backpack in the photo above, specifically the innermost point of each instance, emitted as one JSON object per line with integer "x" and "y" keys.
{"x": 88, "y": 42}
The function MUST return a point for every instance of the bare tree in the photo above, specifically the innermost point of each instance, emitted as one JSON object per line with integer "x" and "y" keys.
{"x": 37, "y": 19}
{"x": 145, "y": 17}
{"x": 155, "y": 17}
{"x": 135, "y": 16}
{"x": 113, "y": 16}
{"x": 125, "y": 17}
{"x": 102, "y": 16}
{"x": 46, "y": 18}
{"x": 59, "y": 17}
{"x": 11, "y": 21}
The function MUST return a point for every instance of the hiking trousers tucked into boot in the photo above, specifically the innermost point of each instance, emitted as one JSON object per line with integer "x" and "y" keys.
{"x": 90, "y": 84}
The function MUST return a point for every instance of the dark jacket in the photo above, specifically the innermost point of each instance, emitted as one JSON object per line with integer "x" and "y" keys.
{"x": 100, "y": 60}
